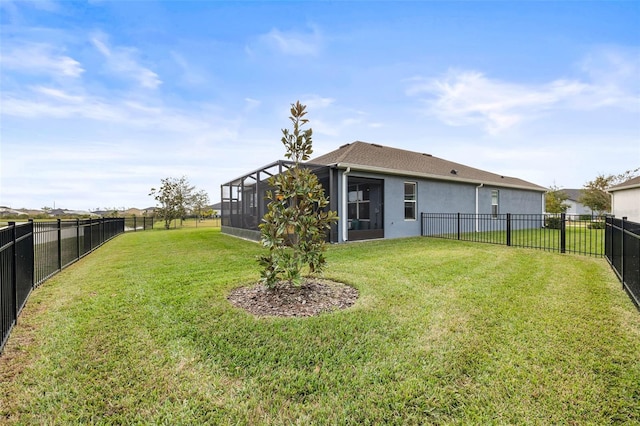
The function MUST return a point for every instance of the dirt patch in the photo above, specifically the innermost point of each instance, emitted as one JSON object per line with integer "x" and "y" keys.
{"x": 313, "y": 297}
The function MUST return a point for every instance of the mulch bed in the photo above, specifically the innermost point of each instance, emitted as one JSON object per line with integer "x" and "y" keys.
{"x": 312, "y": 297}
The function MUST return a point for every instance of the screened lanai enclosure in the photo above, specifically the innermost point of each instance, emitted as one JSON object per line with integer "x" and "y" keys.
{"x": 244, "y": 201}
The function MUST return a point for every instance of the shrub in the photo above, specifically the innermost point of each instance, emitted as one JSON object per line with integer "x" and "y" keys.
{"x": 553, "y": 222}
{"x": 596, "y": 225}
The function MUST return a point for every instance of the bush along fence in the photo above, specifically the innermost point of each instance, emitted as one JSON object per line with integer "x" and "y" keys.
{"x": 583, "y": 234}
{"x": 31, "y": 252}
{"x": 622, "y": 251}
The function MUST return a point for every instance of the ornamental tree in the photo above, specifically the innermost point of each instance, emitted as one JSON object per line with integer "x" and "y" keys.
{"x": 295, "y": 225}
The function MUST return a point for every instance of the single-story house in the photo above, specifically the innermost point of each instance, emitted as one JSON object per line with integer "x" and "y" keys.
{"x": 625, "y": 199}
{"x": 380, "y": 192}
{"x": 575, "y": 206}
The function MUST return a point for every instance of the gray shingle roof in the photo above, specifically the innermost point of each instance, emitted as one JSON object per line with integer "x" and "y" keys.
{"x": 377, "y": 158}
{"x": 572, "y": 194}
{"x": 631, "y": 183}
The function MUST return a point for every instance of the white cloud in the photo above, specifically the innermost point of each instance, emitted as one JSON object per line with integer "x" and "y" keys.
{"x": 190, "y": 75}
{"x": 58, "y": 94}
{"x": 40, "y": 58}
{"x": 613, "y": 73}
{"x": 293, "y": 42}
{"x": 13, "y": 8}
{"x": 461, "y": 98}
{"x": 251, "y": 104}
{"x": 45, "y": 102}
{"x": 469, "y": 97}
{"x": 612, "y": 66}
{"x": 314, "y": 102}
{"x": 122, "y": 61}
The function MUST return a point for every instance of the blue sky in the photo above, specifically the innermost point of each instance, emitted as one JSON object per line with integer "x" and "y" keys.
{"x": 100, "y": 100}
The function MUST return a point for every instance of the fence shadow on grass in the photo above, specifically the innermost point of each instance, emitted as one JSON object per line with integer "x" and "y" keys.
{"x": 31, "y": 252}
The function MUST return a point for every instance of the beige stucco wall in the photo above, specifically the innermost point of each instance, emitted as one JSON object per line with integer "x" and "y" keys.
{"x": 626, "y": 202}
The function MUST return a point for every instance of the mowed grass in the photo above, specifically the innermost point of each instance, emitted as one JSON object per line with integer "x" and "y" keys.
{"x": 444, "y": 332}
{"x": 578, "y": 239}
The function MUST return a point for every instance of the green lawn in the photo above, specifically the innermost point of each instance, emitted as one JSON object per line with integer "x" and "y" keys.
{"x": 578, "y": 239}
{"x": 444, "y": 332}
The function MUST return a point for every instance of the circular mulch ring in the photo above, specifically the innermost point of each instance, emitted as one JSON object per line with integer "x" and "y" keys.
{"x": 312, "y": 297}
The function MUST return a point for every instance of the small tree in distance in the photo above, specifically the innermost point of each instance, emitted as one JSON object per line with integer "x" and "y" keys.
{"x": 174, "y": 196}
{"x": 295, "y": 225}
{"x": 595, "y": 196}
{"x": 554, "y": 200}
{"x": 199, "y": 201}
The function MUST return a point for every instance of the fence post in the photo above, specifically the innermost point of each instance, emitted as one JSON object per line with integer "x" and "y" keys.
{"x": 14, "y": 273}
{"x": 135, "y": 224}
{"x": 33, "y": 258}
{"x": 59, "y": 244}
{"x": 508, "y": 229}
{"x": 458, "y": 225}
{"x": 608, "y": 238}
{"x": 78, "y": 239}
{"x": 622, "y": 250}
{"x": 563, "y": 232}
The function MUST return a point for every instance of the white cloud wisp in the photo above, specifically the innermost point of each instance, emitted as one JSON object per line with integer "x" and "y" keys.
{"x": 122, "y": 61}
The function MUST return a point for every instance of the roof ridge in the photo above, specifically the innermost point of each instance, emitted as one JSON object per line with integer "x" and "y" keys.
{"x": 379, "y": 157}
{"x": 348, "y": 148}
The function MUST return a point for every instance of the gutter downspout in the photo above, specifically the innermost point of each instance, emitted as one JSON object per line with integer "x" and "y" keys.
{"x": 345, "y": 205}
{"x": 477, "y": 209}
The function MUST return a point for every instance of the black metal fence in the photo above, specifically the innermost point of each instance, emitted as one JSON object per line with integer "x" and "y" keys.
{"x": 622, "y": 251}
{"x": 581, "y": 234}
{"x": 31, "y": 252}
{"x": 134, "y": 223}
{"x": 16, "y": 274}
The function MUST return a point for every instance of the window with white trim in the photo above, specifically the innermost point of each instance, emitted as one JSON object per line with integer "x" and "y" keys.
{"x": 495, "y": 197}
{"x": 410, "y": 198}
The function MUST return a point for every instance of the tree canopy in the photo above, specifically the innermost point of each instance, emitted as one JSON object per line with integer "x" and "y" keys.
{"x": 554, "y": 200}
{"x": 175, "y": 196}
{"x": 595, "y": 195}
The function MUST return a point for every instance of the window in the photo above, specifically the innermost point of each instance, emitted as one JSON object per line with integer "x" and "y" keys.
{"x": 494, "y": 203}
{"x": 359, "y": 201}
{"x": 410, "y": 201}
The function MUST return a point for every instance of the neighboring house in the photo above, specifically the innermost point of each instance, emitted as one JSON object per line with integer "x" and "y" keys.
{"x": 625, "y": 199}
{"x": 380, "y": 192}
{"x": 217, "y": 208}
{"x": 575, "y": 206}
{"x": 7, "y": 211}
